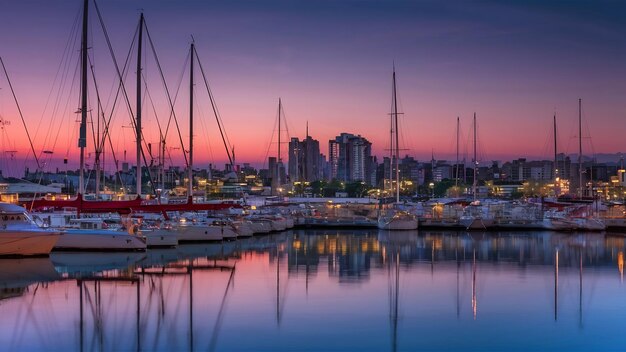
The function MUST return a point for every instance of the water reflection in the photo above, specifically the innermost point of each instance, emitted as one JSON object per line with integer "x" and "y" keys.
{"x": 324, "y": 289}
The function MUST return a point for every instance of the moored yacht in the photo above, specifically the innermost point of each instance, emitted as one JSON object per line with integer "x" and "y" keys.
{"x": 202, "y": 231}
{"x": 394, "y": 219}
{"x": 243, "y": 228}
{"x": 20, "y": 236}
{"x": 259, "y": 225}
{"x": 475, "y": 218}
{"x": 156, "y": 232}
{"x": 589, "y": 223}
{"x": 92, "y": 235}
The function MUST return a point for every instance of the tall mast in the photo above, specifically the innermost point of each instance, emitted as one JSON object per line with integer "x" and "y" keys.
{"x": 190, "y": 185}
{"x": 393, "y": 91}
{"x": 162, "y": 147}
{"x": 97, "y": 154}
{"x": 138, "y": 113}
{"x": 456, "y": 178}
{"x": 82, "y": 139}
{"x": 280, "y": 107}
{"x": 279, "y": 160}
{"x": 397, "y": 150}
{"x": 556, "y": 166}
{"x": 475, "y": 161}
{"x": 580, "y": 150}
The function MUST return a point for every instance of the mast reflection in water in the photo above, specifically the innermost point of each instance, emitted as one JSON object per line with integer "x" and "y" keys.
{"x": 325, "y": 290}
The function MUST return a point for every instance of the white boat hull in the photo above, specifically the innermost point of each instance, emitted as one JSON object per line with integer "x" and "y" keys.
{"x": 556, "y": 224}
{"x": 476, "y": 223}
{"x": 590, "y": 224}
{"x": 397, "y": 224}
{"x": 278, "y": 224}
{"x": 160, "y": 238}
{"x": 203, "y": 233}
{"x": 100, "y": 240}
{"x": 259, "y": 226}
{"x": 243, "y": 229}
{"x": 27, "y": 243}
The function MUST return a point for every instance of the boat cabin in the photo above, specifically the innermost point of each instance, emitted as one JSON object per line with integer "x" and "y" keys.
{"x": 13, "y": 214}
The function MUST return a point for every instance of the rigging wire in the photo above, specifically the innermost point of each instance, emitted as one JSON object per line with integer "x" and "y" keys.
{"x": 227, "y": 143}
{"x": 60, "y": 78}
{"x": 125, "y": 71}
{"x": 130, "y": 110}
{"x": 19, "y": 109}
{"x": 173, "y": 113}
{"x": 204, "y": 127}
{"x": 269, "y": 146}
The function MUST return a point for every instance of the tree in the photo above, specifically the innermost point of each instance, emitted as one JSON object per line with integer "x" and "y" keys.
{"x": 356, "y": 189}
{"x": 441, "y": 187}
{"x": 317, "y": 187}
{"x": 333, "y": 187}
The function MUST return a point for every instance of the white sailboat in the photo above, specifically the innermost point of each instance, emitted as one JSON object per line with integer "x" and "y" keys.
{"x": 395, "y": 218}
{"x": 475, "y": 216}
{"x": 587, "y": 221}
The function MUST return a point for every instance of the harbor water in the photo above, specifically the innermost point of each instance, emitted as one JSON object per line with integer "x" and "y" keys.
{"x": 325, "y": 290}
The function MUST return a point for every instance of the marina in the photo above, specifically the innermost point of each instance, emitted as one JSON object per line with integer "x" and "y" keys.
{"x": 312, "y": 176}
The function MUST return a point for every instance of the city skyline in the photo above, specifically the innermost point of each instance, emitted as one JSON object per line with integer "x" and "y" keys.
{"x": 515, "y": 65}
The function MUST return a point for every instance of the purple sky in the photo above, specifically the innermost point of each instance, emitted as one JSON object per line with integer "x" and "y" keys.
{"x": 515, "y": 63}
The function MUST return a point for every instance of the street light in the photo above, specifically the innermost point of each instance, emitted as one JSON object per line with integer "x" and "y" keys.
{"x": 432, "y": 189}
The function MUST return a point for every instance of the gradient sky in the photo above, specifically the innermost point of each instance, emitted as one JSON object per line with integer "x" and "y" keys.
{"x": 514, "y": 63}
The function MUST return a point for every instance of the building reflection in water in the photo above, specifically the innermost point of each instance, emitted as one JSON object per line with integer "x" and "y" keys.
{"x": 183, "y": 298}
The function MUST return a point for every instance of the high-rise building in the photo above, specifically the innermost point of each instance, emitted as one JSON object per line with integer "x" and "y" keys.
{"x": 350, "y": 159}
{"x": 304, "y": 160}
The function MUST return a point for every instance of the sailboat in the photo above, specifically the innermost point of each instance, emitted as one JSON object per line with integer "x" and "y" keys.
{"x": 584, "y": 218}
{"x": 121, "y": 206}
{"x": 474, "y": 215}
{"x": 394, "y": 218}
{"x": 552, "y": 219}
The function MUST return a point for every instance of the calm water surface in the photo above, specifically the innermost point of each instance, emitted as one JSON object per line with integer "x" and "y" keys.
{"x": 312, "y": 290}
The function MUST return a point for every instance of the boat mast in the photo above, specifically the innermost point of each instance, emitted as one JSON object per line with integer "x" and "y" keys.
{"x": 397, "y": 150}
{"x": 278, "y": 162}
{"x": 475, "y": 161}
{"x": 556, "y": 166}
{"x": 456, "y": 178}
{"x": 279, "y": 109}
{"x": 82, "y": 139}
{"x": 580, "y": 150}
{"x": 190, "y": 185}
{"x": 391, "y": 161}
{"x": 138, "y": 113}
{"x": 162, "y": 161}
